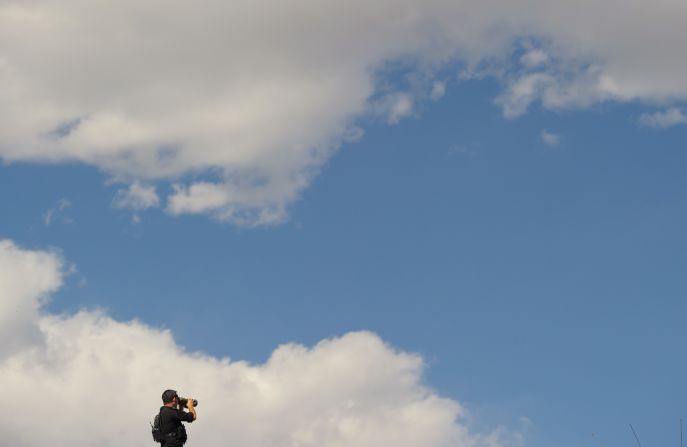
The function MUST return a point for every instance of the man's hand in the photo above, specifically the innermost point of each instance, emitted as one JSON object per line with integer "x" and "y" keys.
{"x": 191, "y": 408}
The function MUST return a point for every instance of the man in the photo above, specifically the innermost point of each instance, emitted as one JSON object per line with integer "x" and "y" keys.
{"x": 171, "y": 418}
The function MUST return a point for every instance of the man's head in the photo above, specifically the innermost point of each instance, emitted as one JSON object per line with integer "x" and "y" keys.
{"x": 168, "y": 397}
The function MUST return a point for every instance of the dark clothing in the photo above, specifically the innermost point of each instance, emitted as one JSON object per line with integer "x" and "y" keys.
{"x": 172, "y": 444}
{"x": 170, "y": 421}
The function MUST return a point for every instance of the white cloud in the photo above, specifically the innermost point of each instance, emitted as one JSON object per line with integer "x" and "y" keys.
{"x": 664, "y": 119}
{"x": 154, "y": 91}
{"x": 550, "y": 139}
{"x": 400, "y": 106}
{"x": 58, "y": 210}
{"x": 353, "y": 390}
{"x": 534, "y": 58}
{"x": 438, "y": 90}
{"x": 244, "y": 204}
{"x": 522, "y": 91}
{"x": 392, "y": 106}
{"x": 26, "y": 278}
{"x": 47, "y": 217}
{"x": 137, "y": 197}
{"x": 556, "y": 86}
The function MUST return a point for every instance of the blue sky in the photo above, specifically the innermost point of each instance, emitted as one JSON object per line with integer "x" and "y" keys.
{"x": 522, "y": 229}
{"x": 539, "y": 282}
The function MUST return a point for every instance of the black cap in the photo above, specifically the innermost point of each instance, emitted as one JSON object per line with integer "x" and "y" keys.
{"x": 168, "y": 396}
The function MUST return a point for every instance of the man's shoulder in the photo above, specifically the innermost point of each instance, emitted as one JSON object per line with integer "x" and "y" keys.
{"x": 168, "y": 410}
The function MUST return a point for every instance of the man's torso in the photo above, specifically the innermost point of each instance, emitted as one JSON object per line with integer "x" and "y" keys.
{"x": 171, "y": 426}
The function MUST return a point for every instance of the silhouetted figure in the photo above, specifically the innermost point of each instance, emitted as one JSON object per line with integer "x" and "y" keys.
{"x": 171, "y": 417}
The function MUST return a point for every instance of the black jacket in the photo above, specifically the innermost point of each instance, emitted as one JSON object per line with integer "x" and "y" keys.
{"x": 171, "y": 425}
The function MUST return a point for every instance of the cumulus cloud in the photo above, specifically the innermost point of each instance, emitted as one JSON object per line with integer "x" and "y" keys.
{"x": 254, "y": 102}
{"x": 534, "y": 58}
{"x": 92, "y": 380}
{"x": 668, "y": 118}
{"x": 136, "y": 197}
{"x": 243, "y": 204}
{"x": 27, "y": 279}
{"x": 549, "y": 138}
{"x": 438, "y": 90}
{"x": 397, "y": 107}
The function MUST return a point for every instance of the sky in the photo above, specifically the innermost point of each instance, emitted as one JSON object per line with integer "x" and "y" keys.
{"x": 436, "y": 224}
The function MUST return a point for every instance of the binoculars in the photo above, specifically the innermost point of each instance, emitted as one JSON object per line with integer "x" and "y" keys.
{"x": 184, "y": 402}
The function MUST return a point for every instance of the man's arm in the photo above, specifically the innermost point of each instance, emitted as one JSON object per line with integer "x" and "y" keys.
{"x": 191, "y": 408}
